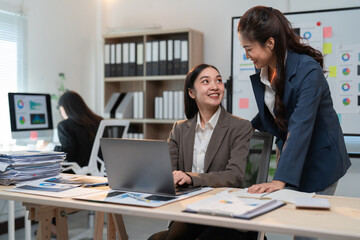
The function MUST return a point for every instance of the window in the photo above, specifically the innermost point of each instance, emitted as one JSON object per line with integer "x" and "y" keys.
{"x": 12, "y": 65}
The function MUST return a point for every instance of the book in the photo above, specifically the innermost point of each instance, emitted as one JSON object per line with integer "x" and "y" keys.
{"x": 228, "y": 205}
{"x": 285, "y": 195}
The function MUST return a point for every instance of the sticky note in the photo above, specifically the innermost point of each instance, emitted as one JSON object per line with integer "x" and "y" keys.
{"x": 332, "y": 71}
{"x": 327, "y": 32}
{"x": 33, "y": 135}
{"x": 327, "y": 48}
{"x": 243, "y": 103}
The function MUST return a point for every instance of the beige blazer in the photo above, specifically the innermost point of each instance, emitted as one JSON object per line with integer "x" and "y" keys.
{"x": 226, "y": 155}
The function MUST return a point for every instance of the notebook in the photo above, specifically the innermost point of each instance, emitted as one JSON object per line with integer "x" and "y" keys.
{"x": 140, "y": 166}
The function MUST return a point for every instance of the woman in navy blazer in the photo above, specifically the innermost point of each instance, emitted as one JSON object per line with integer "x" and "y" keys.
{"x": 294, "y": 103}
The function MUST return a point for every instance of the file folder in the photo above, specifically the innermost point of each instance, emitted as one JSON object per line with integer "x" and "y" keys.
{"x": 107, "y": 60}
{"x": 132, "y": 63}
{"x": 112, "y": 61}
{"x": 118, "y": 61}
{"x": 110, "y": 104}
{"x": 170, "y": 57}
{"x": 125, "y": 59}
{"x": 162, "y": 58}
{"x": 177, "y": 57}
{"x": 148, "y": 57}
{"x": 125, "y": 108}
{"x": 184, "y": 56}
{"x": 139, "y": 59}
{"x": 166, "y": 104}
{"x": 155, "y": 58}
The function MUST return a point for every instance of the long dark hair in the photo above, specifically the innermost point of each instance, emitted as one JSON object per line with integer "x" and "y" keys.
{"x": 259, "y": 24}
{"x": 190, "y": 105}
{"x": 77, "y": 110}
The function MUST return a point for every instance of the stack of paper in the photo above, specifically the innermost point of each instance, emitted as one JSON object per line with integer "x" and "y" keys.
{"x": 21, "y": 166}
{"x": 63, "y": 185}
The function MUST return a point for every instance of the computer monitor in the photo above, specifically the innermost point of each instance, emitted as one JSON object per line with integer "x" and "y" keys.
{"x": 30, "y": 117}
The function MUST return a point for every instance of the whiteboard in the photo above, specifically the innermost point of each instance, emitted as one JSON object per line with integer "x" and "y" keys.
{"x": 336, "y": 34}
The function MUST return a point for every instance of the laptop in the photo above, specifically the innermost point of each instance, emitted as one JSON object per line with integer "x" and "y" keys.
{"x": 140, "y": 166}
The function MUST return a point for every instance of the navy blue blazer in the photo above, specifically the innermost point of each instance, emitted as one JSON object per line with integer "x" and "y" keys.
{"x": 313, "y": 152}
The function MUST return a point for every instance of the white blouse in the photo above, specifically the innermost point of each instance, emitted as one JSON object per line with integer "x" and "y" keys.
{"x": 202, "y": 139}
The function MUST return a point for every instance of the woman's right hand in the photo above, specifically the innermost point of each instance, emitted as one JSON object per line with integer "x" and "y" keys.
{"x": 266, "y": 187}
{"x": 181, "y": 178}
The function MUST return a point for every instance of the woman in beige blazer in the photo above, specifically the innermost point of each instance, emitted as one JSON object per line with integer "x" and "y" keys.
{"x": 209, "y": 148}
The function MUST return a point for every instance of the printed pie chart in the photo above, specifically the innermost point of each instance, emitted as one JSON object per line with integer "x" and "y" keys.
{"x": 346, "y": 71}
{"x": 346, "y": 101}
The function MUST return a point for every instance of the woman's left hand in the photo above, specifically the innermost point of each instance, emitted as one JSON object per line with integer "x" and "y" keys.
{"x": 267, "y": 187}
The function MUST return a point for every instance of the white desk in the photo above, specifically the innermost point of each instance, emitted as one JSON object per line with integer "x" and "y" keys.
{"x": 341, "y": 222}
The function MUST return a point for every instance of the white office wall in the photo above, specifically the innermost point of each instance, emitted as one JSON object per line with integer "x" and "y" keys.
{"x": 62, "y": 38}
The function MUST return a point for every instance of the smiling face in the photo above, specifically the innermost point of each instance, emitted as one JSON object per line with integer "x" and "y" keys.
{"x": 260, "y": 55}
{"x": 208, "y": 90}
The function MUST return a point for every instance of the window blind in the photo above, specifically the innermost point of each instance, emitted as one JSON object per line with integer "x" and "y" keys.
{"x": 12, "y": 65}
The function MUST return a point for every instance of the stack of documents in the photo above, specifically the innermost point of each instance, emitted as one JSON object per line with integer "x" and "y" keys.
{"x": 62, "y": 185}
{"x": 21, "y": 166}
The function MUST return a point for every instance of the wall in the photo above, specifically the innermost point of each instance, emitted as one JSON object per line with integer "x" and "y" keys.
{"x": 62, "y": 37}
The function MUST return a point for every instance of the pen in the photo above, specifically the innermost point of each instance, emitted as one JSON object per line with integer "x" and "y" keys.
{"x": 138, "y": 197}
{"x": 95, "y": 184}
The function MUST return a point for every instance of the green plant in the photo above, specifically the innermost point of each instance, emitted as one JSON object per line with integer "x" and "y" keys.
{"x": 61, "y": 88}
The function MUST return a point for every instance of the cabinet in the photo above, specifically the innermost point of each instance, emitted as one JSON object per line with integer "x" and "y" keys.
{"x": 151, "y": 85}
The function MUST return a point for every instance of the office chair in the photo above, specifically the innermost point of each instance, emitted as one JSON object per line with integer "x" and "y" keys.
{"x": 96, "y": 167}
{"x": 115, "y": 128}
{"x": 258, "y": 161}
{"x": 257, "y": 167}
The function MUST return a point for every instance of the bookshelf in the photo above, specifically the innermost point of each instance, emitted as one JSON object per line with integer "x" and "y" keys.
{"x": 143, "y": 81}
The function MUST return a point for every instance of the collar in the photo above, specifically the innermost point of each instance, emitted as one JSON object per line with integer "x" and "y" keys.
{"x": 213, "y": 120}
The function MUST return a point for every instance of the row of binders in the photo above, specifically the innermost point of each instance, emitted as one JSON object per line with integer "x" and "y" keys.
{"x": 125, "y": 105}
{"x": 20, "y": 166}
{"x": 162, "y": 57}
{"x": 170, "y": 105}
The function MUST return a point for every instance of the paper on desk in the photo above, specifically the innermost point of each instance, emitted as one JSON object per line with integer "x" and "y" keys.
{"x": 135, "y": 198}
{"x": 285, "y": 195}
{"x": 53, "y": 187}
{"x": 229, "y": 205}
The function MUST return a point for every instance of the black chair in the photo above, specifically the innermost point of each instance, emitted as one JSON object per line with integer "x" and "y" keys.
{"x": 258, "y": 162}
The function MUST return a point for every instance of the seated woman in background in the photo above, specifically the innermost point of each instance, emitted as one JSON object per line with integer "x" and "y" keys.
{"x": 78, "y": 129}
{"x": 209, "y": 148}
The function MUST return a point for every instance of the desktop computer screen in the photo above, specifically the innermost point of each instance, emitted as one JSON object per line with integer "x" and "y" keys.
{"x": 30, "y": 116}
